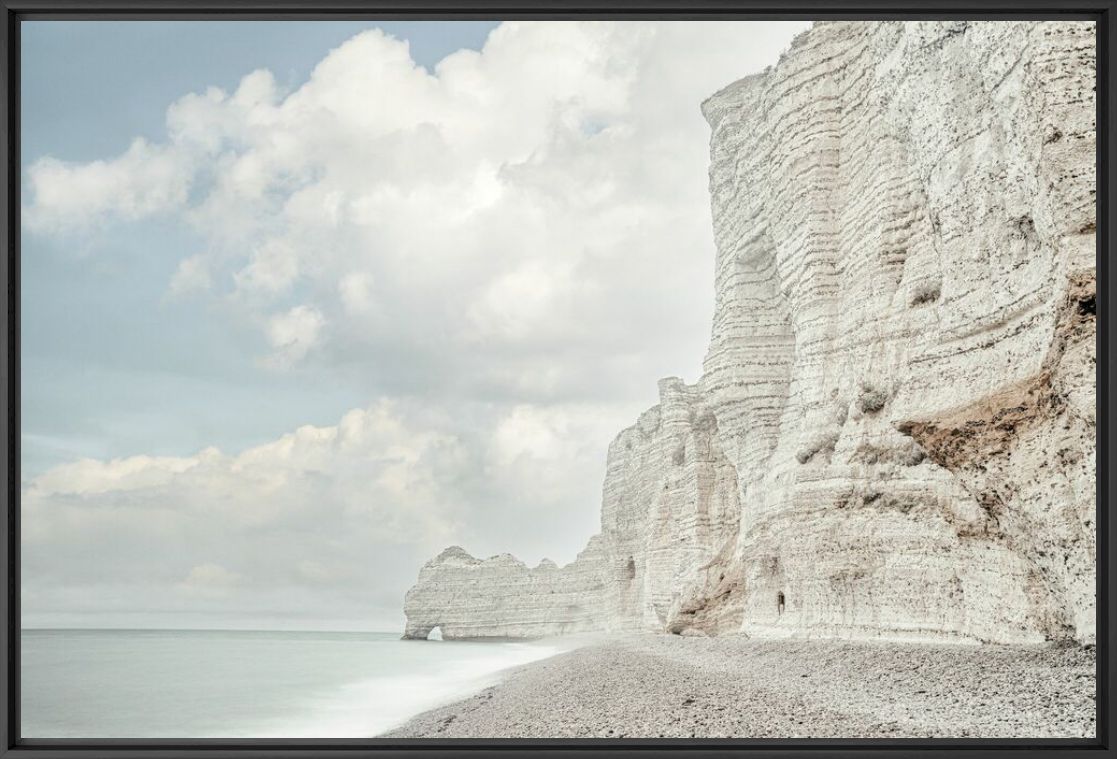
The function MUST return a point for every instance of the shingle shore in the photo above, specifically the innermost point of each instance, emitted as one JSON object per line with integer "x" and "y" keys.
{"x": 669, "y": 686}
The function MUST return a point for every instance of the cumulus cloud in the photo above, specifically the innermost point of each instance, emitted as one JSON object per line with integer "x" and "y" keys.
{"x": 144, "y": 180}
{"x": 86, "y": 476}
{"x": 489, "y": 214}
{"x": 336, "y": 519}
{"x": 294, "y": 333}
{"x": 508, "y": 250}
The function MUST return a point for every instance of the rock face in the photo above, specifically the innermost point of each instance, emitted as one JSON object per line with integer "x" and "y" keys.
{"x": 894, "y": 433}
{"x": 501, "y": 597}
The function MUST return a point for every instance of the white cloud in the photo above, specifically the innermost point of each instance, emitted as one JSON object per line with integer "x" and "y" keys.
{"x": 539, "y": 433}
{"x": 294, "y": 333}
{"x": 549, "y": 189}
{"x": 522, "y": 304}
{"x": 513, "y": 246}
{"x": 342, "y": 514}
{"x": 88, "y": 476}
{"x": 191, "y": 274}
{"x": 271, "y": 270}
{"x": 355, "y": 290}
{"x": 144, "y": 180}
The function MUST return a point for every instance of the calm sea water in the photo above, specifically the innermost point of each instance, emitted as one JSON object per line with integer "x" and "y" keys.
{"x": 222, "y": 684}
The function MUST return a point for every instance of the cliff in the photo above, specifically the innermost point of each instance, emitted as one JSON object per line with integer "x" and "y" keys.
{"x": 894, "y": 433}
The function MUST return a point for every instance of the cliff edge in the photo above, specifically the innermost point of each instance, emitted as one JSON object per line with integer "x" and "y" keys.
{"x": 894, "y": 433}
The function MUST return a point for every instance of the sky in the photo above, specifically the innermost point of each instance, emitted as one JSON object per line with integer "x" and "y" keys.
{"x": 303, "y": 303}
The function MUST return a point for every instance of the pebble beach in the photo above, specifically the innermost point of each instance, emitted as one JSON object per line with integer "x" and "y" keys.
{"x": 734, "y": 687}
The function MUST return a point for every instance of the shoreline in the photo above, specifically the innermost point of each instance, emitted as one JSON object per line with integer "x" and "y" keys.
{"x": 653, "y": 686}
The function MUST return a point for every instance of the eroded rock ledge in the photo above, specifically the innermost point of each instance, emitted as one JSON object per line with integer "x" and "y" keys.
{"x": 894, "y": 433}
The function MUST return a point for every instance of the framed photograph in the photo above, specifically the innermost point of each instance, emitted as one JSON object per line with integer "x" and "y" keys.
{"x": 422, "y": 379}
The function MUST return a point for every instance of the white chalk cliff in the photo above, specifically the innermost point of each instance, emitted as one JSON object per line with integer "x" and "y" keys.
{"x": 894, "y": 432}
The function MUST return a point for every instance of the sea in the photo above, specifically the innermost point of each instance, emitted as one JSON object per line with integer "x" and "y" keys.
{"x": 246, "y": 684}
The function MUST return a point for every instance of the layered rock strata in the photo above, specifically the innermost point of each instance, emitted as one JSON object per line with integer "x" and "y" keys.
{"x": 894, "y": 433}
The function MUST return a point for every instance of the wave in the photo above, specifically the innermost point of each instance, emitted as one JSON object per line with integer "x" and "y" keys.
{"x": 368, "y": 707}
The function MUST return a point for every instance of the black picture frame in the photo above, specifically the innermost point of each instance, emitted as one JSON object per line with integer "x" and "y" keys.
{"x": 1103, "y": 12}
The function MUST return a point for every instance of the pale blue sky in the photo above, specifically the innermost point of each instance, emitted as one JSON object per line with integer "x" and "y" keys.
{"x": 301, "y": 308}
{"x": 110, "y": 367}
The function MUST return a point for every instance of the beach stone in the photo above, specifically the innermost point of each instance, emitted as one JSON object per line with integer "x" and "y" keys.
{"x": 643, "y": 686}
